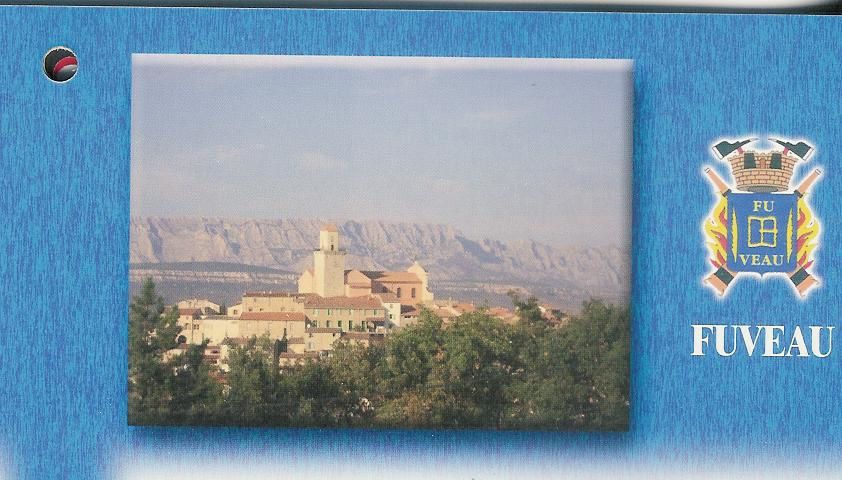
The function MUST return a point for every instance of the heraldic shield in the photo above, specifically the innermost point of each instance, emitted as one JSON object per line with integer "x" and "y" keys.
{"x": 762, "y": 232}
{"x": 761, "y": 224}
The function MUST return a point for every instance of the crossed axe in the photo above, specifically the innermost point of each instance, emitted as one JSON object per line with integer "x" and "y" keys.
{"x": 722, "y": 277}
{"x": 725, "y": 148}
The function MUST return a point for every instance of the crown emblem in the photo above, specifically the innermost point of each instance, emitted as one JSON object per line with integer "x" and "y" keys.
{"x": 762, "y": 225}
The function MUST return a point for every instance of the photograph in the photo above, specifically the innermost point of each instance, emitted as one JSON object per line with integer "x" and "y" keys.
{"x": 380, "y": 242}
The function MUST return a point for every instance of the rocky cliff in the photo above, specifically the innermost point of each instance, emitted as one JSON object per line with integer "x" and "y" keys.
{"x": 458, "y": 266}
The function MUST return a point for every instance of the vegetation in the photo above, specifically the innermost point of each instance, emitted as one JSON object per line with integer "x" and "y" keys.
{"x": 473, "y": 372}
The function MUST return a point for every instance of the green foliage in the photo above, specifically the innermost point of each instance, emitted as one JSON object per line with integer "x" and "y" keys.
{"x": 473, "y": 372}
{"x": 257, "y": 392}
{"x": 195, "y": 396}
{"x": 152, "y": 332}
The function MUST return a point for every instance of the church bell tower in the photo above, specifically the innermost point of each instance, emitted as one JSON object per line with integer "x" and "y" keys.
{"x": 329, "y": 264}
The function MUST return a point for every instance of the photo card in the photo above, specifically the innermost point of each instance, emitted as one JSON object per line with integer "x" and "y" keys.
{"x": 387, "y": 242}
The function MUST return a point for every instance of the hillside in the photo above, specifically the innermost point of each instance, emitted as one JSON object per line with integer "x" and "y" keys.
{"x": 460, "y": 267}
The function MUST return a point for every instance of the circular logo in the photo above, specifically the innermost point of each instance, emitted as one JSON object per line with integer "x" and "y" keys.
{"x": 60, "y": 64}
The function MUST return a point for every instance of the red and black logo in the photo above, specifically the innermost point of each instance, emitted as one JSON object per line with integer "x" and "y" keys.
{"x": 60, "y": 64}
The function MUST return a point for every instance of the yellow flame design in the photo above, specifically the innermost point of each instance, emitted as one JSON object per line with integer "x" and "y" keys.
{"x": 716, "y": 232}
{"x": 807, "y": 233}
{"x": 735, "y": 238}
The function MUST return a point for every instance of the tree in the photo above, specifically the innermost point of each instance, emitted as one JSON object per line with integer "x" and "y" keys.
{"x": 411, "y": 351}
{"x": 319, "y": 395}
{"x": 195, "y": 395}
{"x": 543, "y": 391}
{"x": 152, "y": 332}
{"x": 408, "y": 359}
{"x": 356, "y": 372}
{"x": 258, "y": 395}
{"x": 598, "y": 345}
{"x": 528, "y": 310}
{"x": 576, "y": 376}
{"x": 475, "y": 370}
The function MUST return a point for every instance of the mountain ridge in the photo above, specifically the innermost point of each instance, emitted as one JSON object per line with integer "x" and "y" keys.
{"x": 451, "y": 257}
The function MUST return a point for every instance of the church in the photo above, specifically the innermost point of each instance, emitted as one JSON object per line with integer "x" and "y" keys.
{"x": 329, "y": 278}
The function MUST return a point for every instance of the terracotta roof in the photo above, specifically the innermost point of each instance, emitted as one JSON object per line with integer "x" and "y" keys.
{"x": 502, "y": 313}
{"x": 399, "y": 277}
{"x": 372, "y": 274}
{"x": 295, "y": 341}
{"x": 323, "y": 330}
{"x": 275, "y": 294}
{"x": 330, "y": 228}
{"x": 274, "y": 316}
{"x": 189, "y": 311}
{"x": 342, "y": 302}
{"x": 356, "y": 278}
{"x": 408, "y": 309}
{"x": 388, "y": 297}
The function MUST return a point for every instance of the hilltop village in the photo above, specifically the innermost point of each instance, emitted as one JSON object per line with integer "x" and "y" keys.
{"x": 331, "y": 304}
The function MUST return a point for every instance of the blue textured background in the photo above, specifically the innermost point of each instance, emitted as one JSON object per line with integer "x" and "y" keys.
{"x": 64, "y": 195}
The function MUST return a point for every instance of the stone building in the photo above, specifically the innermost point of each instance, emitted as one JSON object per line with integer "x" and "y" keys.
{"x": 328, "y": 277}
{"x": 203, "y": 304}
{"x": 332, "y": 304}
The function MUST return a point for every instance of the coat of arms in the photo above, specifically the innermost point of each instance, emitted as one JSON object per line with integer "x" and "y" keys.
{"x": 762, "y": 225}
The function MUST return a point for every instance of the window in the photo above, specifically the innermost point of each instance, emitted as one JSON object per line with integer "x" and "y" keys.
{"x": 749, "y": 161}
{"x": 250, "y": 309}
{"x": 350, "y": 324}
{"x": 316, "y": 323}
{"x": 776, "y": 161}
{"x": 285, "y": 332}
{"x": 195, "y": 326}
{"x": 328, "y": 324}
{"x": 398, "y": 292}
{"x": 413, "y": 293}
{"x": 385, "y": 290}
{"x": 766, "y": 228}
{"x": 339, "y": 323}
{"x": 328, "y": 311}
{"x": 182, "y": 339}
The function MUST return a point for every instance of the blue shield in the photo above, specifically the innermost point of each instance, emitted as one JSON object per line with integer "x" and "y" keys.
{"x": 762, "y": 232}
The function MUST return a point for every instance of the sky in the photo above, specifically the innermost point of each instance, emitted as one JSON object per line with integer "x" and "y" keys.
{"x": 509, "y": 149}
